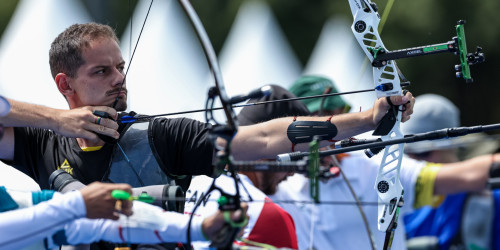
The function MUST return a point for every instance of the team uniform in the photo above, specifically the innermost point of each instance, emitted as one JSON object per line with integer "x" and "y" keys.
{"x": 337, "y": 226}
{"x": 181, "y": 145}
{"x": 147, "y": 154}
{"x": 461, "y": 221}
{"x": 268, "y": 222}
{"x": 47, "y": 219}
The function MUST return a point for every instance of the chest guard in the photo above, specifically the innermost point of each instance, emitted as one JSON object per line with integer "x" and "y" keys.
{"x": 136, "y": 162}
{"x": 133, "y": 160}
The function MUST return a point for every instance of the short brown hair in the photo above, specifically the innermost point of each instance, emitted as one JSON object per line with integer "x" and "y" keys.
{"x": 65, "y": 55}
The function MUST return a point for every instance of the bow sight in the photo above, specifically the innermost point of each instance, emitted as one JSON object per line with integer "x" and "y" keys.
{"x": 457, "y": 46}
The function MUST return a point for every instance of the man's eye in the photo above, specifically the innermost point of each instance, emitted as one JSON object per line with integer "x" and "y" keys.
{"x": 121, "y": 69}
{"x": 101, "y": 71}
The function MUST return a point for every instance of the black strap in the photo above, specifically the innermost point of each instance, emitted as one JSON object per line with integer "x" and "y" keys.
{"x": 387, "y": 122}
{"x": 388, "y": 98}
{"x": 304, "y": 131}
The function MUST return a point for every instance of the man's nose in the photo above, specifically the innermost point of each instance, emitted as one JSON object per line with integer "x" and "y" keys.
{"x": 119, "y": 78}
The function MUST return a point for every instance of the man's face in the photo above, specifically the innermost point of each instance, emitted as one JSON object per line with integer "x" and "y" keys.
{"x": 98, "y": 81}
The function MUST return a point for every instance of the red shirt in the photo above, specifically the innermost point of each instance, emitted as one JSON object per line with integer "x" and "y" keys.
{"x": 274, "y": 227}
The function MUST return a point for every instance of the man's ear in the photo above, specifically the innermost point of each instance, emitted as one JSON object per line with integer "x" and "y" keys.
{"x": 62, "y": 82}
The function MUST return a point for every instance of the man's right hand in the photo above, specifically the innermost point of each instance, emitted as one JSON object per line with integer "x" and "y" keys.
{"x": 100, "y": 204}
{"x": 75, "y": 123}
{"x": 82, "y": 123}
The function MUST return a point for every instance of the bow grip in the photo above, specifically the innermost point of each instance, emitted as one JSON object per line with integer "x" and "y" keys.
{"x": 387, "y": 122}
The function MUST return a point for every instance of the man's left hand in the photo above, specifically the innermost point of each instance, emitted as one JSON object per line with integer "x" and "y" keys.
{"x": 381, "y": 106}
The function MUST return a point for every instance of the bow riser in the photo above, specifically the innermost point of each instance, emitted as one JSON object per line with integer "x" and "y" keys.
{"x": 387, "y": 75}
{"x": 387, "y": 185}
{"x": 365, "y": 30}
{"x": 364, "y": 27}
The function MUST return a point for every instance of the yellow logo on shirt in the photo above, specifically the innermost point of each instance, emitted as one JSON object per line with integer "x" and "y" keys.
{"x": 66, "y": 167}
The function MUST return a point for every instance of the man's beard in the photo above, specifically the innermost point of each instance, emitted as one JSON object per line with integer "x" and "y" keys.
{"x": 268, "y": 189}
{"x": 267, "y": 186}
{"x": 121, "y": 105}
{"x": 120, "y": 102}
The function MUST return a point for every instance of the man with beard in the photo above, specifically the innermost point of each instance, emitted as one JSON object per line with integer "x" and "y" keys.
{"x": 465, "y": 220}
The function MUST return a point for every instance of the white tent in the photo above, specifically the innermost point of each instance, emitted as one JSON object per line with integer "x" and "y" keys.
{"x": 256, "y": 51}
{"x": 24, "y": 61}
{"x": 168, "y": 71}
{"x": 338, "y": 56}
{"x": 24, "y": 49}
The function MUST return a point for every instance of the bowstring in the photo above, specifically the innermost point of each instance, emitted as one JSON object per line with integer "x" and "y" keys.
{"x": 357, "y": 202}
{"x": 133, "y": 53}
{"x": 145, "y": 118}
{"x": 131, "y": 56}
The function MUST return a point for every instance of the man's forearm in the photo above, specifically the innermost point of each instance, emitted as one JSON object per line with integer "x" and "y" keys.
{"x": 23, "y": 115}
{"x": 78, "y": 122}
{"x": 29, "y": 115}
{"x": 352, "y": 124}
{"x": 270, "y": 138}
{"x": 464, "y": 176}
{"x": 175, "y": 230}
{"x": 25, "y": 226}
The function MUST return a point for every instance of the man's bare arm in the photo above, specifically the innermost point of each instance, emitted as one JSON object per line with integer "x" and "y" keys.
{"x": 71, "y": 123}
{"x": 266, "y": 140}
{"x": 465, "y": 176}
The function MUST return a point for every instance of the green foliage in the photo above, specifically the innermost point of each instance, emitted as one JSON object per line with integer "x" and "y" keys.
{"x": 114, "y": 13}
{"x": 6, "y": 10}
{"x": 217, "y": 17}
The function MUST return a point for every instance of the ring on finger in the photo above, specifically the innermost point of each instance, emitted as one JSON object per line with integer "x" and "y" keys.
{"x": 97, "y": 120}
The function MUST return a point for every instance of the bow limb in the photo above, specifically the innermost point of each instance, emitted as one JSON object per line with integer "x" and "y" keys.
{"x": 212, "y": 62}
{"x": 387, "y": 83}
{"x": 227, "y": 202}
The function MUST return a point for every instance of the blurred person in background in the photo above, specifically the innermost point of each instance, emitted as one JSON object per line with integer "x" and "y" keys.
{"x": 463, "y": 220}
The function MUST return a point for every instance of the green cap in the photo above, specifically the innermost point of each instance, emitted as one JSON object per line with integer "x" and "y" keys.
{"x": 316, "y": 85}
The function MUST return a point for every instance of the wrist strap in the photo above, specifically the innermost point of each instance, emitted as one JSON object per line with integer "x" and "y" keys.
{"x": 494, "y": 167}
